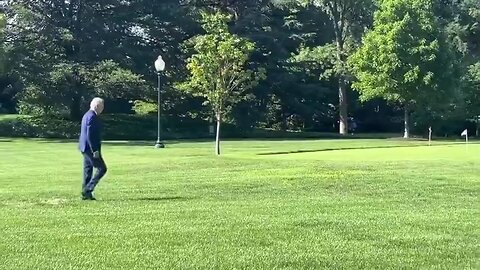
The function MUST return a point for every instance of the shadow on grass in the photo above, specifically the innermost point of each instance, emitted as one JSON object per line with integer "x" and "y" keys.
{"x": 210, "y": 140}
{"x": 41, "y": 140}
{"x": 130, "y": 143}
{"x": 352, "y": 148}
{"x": 174, "y": 198}
{"x": 57, "y": 202}
{"x": 152, "y": 143}
{"x": 156, "y": 199}
{"x": 116, "y": 143}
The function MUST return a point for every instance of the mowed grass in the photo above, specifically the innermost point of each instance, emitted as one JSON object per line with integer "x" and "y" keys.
{"x": 311, "y": 204}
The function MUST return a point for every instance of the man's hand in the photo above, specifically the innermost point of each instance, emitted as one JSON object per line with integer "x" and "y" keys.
{"x": 96, "y": 154}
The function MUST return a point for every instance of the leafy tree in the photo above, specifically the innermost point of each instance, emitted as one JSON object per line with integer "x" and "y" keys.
{"x": 405, "y": 58}
{"x": 348, "y": 19}
{"x": 64, "y": 50}
{"x": 5, "y": 76}
{"x": 218, "y": 67}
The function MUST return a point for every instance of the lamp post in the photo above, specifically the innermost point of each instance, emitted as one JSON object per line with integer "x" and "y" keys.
{"x": 159, "y": 67}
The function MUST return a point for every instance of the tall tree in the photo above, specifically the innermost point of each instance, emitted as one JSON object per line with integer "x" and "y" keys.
{"x": 461, "y": 18}
{"x": 348, "y": 19}
{"x": 59, "y": 44}
{"x": 405, "y": 58}
{"x": 218, "y": 68}
{"x": 6, "y": 89}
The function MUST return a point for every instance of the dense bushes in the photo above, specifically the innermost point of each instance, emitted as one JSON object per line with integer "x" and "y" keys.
{"x": 138, "y": 127}
{"x": 115, "y": 127}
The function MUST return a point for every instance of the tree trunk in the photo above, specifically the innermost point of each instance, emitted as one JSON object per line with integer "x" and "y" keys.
{"x": 342, "y": 81}
{"x": 342, "y": 99}
{"x": 406, "y": 133}
{"x": 478, "y": 128}
{"x": 217, "y": 140}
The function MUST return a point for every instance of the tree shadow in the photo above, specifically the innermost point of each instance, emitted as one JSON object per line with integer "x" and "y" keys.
{"x": 129, "y": 143}
{"x": 152, "y": 143}
{"x": 350, "y": 148}
{"x": 55, "y": 140}
{"x": 159, "y": 198}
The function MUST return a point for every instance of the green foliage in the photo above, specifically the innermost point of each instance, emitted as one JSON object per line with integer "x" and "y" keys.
{"x": 67, "y": 86}
{"x": 405, "y": 57}
{"x": 474, "y": 75}
{"x": 65, "y": 52}
{"x": 3, "y": 49}
{"x": 471, "y": 96}
{"x": 39, "y": 127}
{"x": 218, "y": 67}
{"x": 348, "y": 19}
{"x": 115, "y": 127}
{"x": 144, "y": 107}
{"x": 56, "y": 55}
{"x": 321, "y": 58}
{"x": 110, "y": 80}
{"x": 218, "y": 70}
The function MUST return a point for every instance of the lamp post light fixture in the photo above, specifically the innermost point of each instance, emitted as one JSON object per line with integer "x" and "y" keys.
{"x": 159, "y": 67}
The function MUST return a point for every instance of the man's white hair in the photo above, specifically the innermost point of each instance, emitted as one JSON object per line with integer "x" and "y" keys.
{"x": 95, "y": 103}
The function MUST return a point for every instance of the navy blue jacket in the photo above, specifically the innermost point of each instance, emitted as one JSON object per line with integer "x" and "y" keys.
{"x": 90, "y": 134}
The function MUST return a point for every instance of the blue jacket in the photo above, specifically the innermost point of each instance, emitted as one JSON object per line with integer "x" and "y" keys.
{"x": 90, "y": 134}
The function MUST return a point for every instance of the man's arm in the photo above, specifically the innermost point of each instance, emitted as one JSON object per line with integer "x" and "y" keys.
{"x": 91, "y": 126}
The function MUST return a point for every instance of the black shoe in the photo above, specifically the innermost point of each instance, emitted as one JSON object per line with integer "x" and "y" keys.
{"x": 88, "y": 196}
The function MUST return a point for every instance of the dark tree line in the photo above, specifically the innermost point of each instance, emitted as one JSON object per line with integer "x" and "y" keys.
{"x": 316, "y": 56}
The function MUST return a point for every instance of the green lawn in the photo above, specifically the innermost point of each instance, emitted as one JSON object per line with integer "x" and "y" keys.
{"x": 293, "y": 204}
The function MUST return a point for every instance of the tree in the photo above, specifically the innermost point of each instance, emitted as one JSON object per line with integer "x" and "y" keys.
{"x": 460, "y": 19}
{"x": 58, "y": 87}
{"x": 63, "y": 46}
{"x": 405, "y": 58}
{"x": 5, "y": 80}
{"x": 348, "y": 19}
{"x": 218, "y": 68}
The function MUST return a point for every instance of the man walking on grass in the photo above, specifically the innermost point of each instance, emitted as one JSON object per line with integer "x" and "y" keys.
{"x": 90, "y": 145}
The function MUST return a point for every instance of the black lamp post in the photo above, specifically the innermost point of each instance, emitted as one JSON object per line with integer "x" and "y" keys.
{"x": 159, "y": 67}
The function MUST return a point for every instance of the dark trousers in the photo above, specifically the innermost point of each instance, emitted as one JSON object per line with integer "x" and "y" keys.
{"x": 89, "y": 163}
